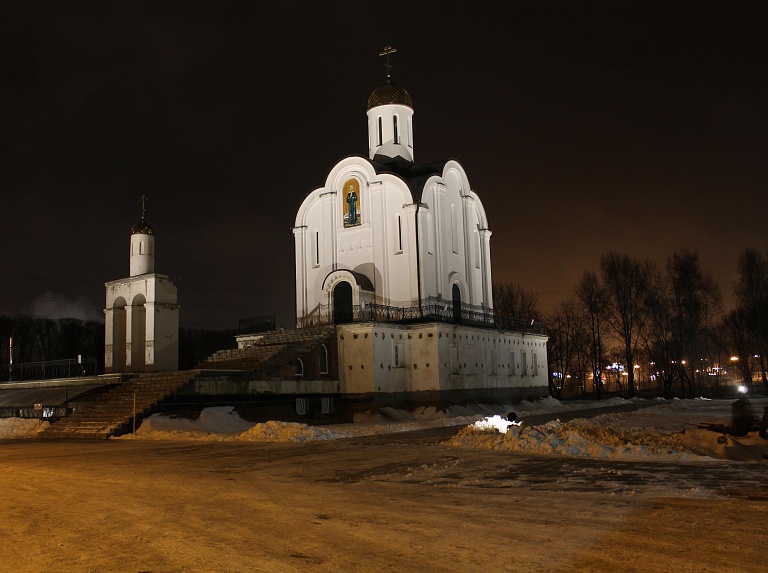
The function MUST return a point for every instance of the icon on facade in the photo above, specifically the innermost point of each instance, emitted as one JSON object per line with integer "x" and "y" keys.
{"x": 351, "y": 203}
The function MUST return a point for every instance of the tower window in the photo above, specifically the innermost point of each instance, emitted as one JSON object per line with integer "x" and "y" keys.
{"x": 399, "y": 233}
{"x": 394, "y": 125}
{"x": 141, "y": 247}
{"x": 380, "y": 131}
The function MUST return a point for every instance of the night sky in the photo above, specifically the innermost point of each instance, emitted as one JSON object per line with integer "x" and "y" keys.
{"x": 584, "y": 127}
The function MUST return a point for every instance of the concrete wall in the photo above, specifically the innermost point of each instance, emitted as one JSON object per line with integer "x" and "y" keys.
{"x": 437, "y": 357}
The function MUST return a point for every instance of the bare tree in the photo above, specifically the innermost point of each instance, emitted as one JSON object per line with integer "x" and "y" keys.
{"x": 594, "y": 303}
{"x": 741, "y": 343}
{"x": 752, "y": 293}
{"x": 511, "y": 304}
{"x": 564, "y": 327}
{"x": 626, "y": 283}
{"x": 695, "y": 303}
{"x": 658, "y": 334}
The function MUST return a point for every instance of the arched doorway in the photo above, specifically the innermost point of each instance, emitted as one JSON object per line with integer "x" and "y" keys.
{"x": 118, "y": 335}
{"x": 456, "y": 304}
{"x": 342, "y": 303}
{"x": 138, "y": 334}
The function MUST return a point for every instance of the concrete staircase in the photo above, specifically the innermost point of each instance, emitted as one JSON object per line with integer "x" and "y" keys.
{"x": 111, "y": 413}
{"x": 269, "y": 350}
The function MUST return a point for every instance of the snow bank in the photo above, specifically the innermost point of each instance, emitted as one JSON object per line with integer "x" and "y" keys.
{"x": 666, "y": 431}
{"x": 662, "y": 433}
{"x": 21, "y": 427}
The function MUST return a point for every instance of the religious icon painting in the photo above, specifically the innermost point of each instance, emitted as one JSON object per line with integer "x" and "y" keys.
{"x": 351, "y": 196}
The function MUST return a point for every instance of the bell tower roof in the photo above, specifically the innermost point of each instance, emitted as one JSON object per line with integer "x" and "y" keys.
{"x": 142, "y": 227}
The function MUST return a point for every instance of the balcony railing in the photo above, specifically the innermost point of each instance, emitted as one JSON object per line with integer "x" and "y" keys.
{"x": 431, "y": 309}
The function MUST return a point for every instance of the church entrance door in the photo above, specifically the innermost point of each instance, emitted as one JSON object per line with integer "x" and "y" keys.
{"x": 456, "y": 304}
{"x": 342, "y": 303}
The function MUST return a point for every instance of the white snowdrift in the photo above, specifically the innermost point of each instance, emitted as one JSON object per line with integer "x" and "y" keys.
{"x": 665, "y": 432}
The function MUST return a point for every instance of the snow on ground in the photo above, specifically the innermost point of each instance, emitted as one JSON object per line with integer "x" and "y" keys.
{"x": 666, "y": 432}
{"x": 658, "y": 431}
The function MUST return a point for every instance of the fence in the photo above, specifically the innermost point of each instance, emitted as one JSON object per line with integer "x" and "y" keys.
{"x": 68, "y": 368}
{"x": 431, "y": 309}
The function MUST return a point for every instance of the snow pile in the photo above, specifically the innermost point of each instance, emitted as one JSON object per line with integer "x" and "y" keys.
{"x": 284, "y": 432}
{"x": 666, "y": 431}
{"x": 570, "y": 439}
{"x": 224, "y": 424}
{"x": 661, "y": 433}
{"x": 21, "y": 427}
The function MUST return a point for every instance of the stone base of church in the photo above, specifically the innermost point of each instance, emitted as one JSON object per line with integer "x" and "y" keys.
{"x": 404, "y": 359}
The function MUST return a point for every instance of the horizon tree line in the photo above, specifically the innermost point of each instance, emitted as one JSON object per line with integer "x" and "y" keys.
{"x": 633, "y": 316}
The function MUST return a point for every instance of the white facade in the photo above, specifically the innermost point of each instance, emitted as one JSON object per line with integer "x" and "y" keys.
{"x": 141, "y": 313}
{"x": 419, "y": 232}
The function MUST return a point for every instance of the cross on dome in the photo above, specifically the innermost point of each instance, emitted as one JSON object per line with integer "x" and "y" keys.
{"x": 388, "y": 50}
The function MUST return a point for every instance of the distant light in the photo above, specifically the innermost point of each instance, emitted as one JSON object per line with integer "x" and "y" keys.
{"x": 734, "y": 358}
{"x": 742, "y": 389}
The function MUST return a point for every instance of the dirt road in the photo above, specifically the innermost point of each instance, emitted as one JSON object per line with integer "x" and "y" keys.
{"x": 385, "y": 503}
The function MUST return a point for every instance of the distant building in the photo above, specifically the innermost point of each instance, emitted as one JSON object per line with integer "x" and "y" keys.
{"x": 397, "y": 255}
{"x": 141, "y": 314}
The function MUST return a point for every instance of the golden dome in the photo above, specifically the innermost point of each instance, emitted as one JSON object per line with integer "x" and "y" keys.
{"x": 142, "y": 228}
{"x": 389, "y": 94}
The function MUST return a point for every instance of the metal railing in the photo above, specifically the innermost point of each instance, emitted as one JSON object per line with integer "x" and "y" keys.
{"x": 431, "y": 309}
{"x": 47, "y": 369}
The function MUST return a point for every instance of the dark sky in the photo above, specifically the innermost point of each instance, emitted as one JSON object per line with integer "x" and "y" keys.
{"x": 585, "y": 127}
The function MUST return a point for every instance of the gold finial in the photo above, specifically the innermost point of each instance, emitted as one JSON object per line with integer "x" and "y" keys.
{"x": 143, "y": 200}
{"x": 388, "y": 50}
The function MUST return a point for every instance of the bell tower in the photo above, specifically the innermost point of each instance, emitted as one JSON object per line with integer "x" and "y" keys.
{"x": 141, "y": 313}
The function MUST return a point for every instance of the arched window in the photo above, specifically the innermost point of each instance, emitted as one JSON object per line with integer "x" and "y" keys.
{"x": 394, "y": 126}
{"x": 323, "y": 359}
{"x": 454, "y": 229}
{"x": 380, "y": 134}
{"x": 298, "y": 368}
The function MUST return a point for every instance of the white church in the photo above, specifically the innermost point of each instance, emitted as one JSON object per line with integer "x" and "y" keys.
{"x": 397, "y": 255}
{"x": 393, "y": 290}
